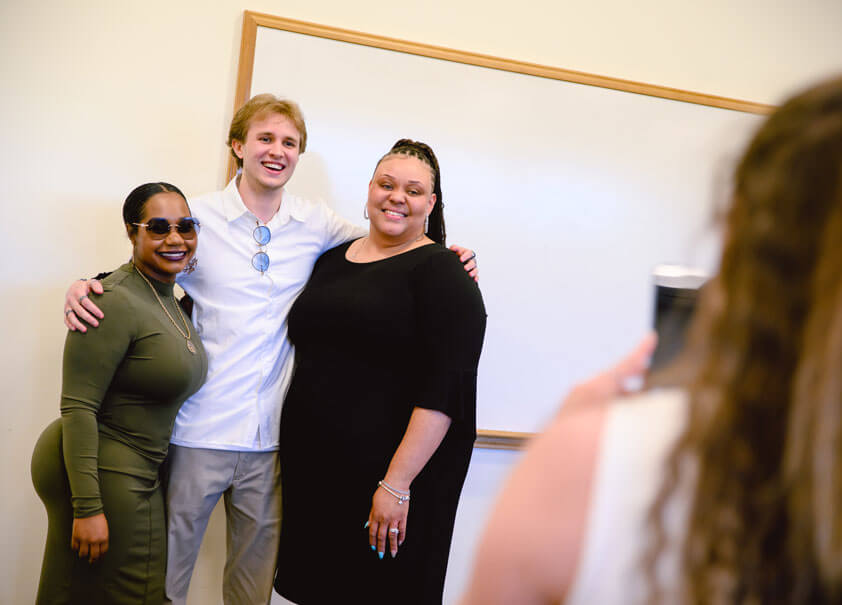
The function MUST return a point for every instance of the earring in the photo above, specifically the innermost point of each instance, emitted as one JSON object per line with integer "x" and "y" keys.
{"x": 190, "y": 266}
{"x": 426, "y": 223}
{"x": 365, "y": 212}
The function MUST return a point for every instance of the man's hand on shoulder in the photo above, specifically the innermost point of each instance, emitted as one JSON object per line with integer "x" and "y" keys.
{"x": 469, "y": 260}
{"x": 78, "y": 308}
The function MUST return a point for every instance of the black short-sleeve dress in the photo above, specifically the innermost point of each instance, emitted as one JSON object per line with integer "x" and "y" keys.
{"x": 373, "y": 341}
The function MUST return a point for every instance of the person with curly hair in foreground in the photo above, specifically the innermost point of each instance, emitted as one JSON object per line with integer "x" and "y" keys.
{"x": 722, "y": 482}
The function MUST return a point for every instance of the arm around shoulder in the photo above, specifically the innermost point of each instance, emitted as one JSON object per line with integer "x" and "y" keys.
{"x": 79, "y": 311}
{"x": 337, "y": 229}
{"x": 449, "y": 293}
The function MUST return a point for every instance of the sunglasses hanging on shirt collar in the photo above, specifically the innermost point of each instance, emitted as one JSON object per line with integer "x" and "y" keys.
{"x": 262, "y": 236}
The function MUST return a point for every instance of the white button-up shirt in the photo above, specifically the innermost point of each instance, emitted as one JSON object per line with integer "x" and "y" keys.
{"x": 241, "y": 315}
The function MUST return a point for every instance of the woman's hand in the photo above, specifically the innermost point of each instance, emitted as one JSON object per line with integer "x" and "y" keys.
{"x": 423, "y": 435}
{"x": 386, "y": 515}
{"x": 78, "y": 308}
{"x": 90, "y": 537}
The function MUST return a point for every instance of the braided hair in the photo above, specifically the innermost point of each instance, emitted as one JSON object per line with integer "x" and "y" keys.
{"x": 422, "y": 151}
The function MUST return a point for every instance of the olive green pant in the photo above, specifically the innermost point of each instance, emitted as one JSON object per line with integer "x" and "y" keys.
{"x": 132, "y": 571}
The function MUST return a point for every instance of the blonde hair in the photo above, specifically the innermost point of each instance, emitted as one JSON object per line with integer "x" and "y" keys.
{"x": 260, "y": 105}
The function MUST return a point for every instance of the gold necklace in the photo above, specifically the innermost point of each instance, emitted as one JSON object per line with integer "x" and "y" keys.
{"x": 190, "y": 346}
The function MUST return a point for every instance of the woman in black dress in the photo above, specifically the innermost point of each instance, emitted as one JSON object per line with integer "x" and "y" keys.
{"x": 378, "y": 427}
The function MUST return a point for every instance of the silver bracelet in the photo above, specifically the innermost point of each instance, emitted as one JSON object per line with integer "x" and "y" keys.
{"x": 401, "y": 496}
{"x": 394, "y": 489}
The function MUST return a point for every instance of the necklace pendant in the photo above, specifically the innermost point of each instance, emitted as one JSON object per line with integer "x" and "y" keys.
{"x": 191, "y": 348}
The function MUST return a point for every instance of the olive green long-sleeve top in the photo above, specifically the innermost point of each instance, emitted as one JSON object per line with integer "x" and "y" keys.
{"x": 122, "y": 385}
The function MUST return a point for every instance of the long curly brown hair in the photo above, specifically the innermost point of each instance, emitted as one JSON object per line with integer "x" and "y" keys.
{"x": 764, "y": 432}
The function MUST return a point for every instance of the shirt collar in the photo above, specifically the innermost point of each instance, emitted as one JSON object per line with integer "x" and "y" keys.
{"x": 233, "y": 206}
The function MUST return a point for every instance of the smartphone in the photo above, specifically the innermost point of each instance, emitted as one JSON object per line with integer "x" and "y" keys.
{"x": 676, "y": 296}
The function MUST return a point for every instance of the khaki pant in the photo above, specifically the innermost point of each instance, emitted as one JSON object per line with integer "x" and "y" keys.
{"x": 250, "y": 485}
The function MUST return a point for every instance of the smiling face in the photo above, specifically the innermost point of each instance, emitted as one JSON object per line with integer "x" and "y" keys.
{"x": 270, "y": 151}
{"x": 400, "y": 196}
{"x": 162, "y": 258}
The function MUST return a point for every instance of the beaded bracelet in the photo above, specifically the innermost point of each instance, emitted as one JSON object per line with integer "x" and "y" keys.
{"x": 400, "y": 495}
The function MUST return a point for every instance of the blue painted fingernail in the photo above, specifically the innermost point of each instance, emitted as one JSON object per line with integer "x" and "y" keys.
{"x": 373, "y": 548}
{"x": 366, "y": 525}
{"x": 380, "y": 556}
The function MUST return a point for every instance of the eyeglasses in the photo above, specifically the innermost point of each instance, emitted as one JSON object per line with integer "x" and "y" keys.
{"x": 262, "y": 236}
{"x": 159, "y": 228}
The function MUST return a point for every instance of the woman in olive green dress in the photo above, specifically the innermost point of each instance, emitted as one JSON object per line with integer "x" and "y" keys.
{"x": 97, "y": 467}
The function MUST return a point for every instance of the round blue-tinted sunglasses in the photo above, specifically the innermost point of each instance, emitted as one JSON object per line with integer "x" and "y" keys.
{"x": 262, "y": 236}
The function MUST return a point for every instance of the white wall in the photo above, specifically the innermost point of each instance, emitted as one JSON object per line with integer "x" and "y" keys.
{"x": 99, "y": 96}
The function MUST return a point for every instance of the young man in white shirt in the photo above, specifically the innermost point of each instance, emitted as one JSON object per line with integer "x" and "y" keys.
{"x": 256, "y": 250}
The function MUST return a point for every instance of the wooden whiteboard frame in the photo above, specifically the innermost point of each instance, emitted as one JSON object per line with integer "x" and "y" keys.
{"x": 252, "y": 20}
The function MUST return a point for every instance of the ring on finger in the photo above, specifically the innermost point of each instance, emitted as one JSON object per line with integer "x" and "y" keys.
{"x": 472, "y": 257}
{"x": 394, "y": 530}
{"x": 83, "y": 297}
{"x": 68, "y": 312}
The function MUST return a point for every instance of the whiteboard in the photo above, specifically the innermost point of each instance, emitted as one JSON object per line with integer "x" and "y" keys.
{"x": 570, "y": 194}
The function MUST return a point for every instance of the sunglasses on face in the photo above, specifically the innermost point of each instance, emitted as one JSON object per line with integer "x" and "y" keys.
{"x": 159, "y": 228}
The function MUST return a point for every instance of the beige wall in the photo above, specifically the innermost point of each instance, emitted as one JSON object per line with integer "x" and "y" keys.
{"x": 100, "y": 95}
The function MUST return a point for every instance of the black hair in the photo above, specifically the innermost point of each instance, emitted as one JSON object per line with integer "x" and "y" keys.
{"x": 422, "y": 151}
{"x": 135, "y": 202}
